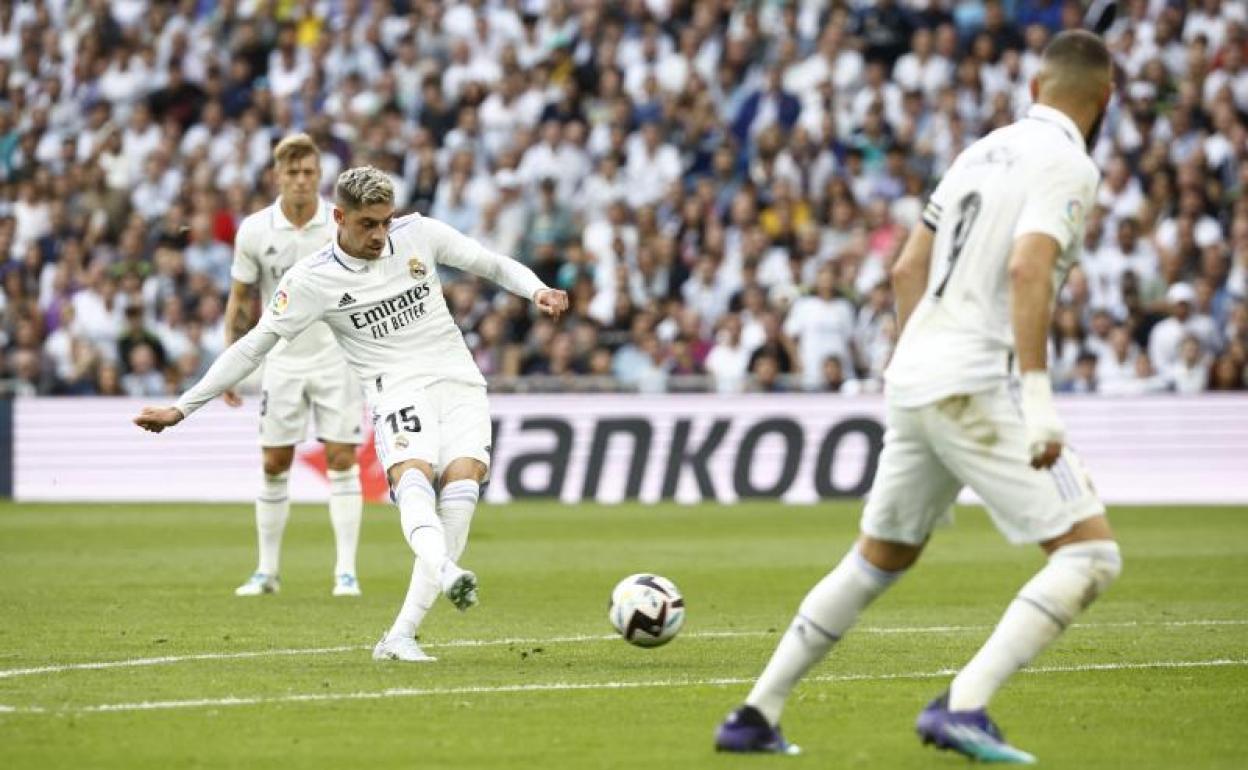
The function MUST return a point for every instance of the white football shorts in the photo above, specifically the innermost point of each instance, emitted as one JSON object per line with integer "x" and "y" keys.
{"x": 437, "y": 424}
{"x": 331, "y": 395}
{"x": 931, "y": 452}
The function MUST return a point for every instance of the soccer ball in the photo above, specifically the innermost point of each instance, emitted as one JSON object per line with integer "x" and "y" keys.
{"x": 647, "y": 610}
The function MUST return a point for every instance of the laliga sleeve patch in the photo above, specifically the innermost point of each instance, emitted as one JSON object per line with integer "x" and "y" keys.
{"x": 1074, "y": 211}
{"x": 280, "y": 300}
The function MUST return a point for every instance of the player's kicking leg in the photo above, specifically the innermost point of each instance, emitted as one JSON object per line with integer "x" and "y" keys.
{"x": 453, "y": 516}
{"x": 463, "y": 456}
{"x": 911, "y": 493}
{"x": 272, "y": 512}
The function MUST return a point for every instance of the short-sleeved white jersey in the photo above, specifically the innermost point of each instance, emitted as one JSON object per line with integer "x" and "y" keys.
{"x": 1034, "y": 176}
{"x": 265, "y": 247}
{"x": 388, "y": 314}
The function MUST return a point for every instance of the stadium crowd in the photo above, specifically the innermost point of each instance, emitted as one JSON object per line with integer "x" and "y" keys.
{"x": 721, "y": 186}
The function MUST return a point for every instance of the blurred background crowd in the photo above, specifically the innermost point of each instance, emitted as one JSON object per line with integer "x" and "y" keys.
{"x": 720, "y": 186}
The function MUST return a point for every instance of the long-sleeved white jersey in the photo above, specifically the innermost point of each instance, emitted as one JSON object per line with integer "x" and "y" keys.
{"x": 387, "y": 314}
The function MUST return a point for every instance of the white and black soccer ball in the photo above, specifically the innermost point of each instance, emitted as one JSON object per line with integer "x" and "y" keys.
{"x": 647, "y": 610}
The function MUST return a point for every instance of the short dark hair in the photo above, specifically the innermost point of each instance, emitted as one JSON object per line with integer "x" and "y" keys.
{"x": 1078, "y": 48}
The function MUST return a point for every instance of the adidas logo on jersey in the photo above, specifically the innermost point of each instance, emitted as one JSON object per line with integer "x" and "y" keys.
{"x": 347, "y": 299}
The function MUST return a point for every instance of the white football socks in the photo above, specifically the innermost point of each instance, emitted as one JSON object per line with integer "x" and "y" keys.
{"x": 827, "y": 612}
{"x": 272, "y": 511}
{"x": 1074, "y": 576}
{"x": 417, "y": 513}
{"x": 345, "y": 508}
{"x": 456, "y": 505}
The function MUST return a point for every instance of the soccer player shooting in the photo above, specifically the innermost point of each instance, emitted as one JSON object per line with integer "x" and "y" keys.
{"x": 969, "y": 404}
{"x": 377, "y": 288}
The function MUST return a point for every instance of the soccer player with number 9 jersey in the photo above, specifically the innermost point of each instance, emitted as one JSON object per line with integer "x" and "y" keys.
{"x": 970, "y": 404}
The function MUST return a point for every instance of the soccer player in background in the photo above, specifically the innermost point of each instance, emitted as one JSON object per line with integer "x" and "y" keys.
{"x": 306, "y": 375}
{"x": 376, "y": 285}
{"x": 975, "y": 290}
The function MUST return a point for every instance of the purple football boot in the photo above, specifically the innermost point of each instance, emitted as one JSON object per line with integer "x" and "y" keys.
{"x": 970, "y": 733}
{"x": 747, "y": 731}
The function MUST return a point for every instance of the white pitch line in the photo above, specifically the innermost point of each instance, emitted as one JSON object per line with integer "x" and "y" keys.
{"x": 573, "y": 639}
{"x": 321, "y": 697}
{"x": 135, "y": 662}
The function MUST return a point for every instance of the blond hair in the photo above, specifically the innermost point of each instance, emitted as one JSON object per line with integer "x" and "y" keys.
{"x": 294, "y": 147}
{"x": 363, "y": 186}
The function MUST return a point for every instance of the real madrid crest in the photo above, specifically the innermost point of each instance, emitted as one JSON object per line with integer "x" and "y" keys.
{"x": 417, "y": 268}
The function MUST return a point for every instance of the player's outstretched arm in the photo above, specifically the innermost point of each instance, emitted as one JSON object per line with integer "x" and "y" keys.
{"x": 1031, "y": 299}
{"x": 458, "y": 250}
{"x": 238, "y": 361}
{"x": 910, "y": 273}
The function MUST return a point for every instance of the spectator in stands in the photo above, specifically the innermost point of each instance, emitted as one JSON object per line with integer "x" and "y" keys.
{"x": 143, "y": 379}
{"x": 1190, "y": 374}
{"x": 823, "y": 325}
{"x": 1142, "y": 380}
{"x": 728, "y": 361}
{"x": 767, "y": 106}
{"x": 1116, "y": 363}
{"x": 1228, "y": 373}
{"x": 832, "y": 376}
{"x": 1167, "y": 336}
{"x": 655, "y": 365}
{"x": 775, "y": 345}
{"x": 1083, "y": 377}
{"x": 134, "y": 334}
{"x": 765, "y": 375}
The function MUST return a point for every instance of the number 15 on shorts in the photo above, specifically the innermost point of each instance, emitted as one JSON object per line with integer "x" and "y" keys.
{"x": 399, "y": 434}
{"x": 404, "y": 420}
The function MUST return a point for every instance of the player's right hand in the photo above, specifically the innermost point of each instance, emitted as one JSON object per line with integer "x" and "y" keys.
{"x": 157, "y": 418}
{"x": 232, "y": 398}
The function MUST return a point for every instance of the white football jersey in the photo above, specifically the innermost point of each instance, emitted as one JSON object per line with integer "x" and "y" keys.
{"x": 1034, "y": 176}
{"x": 388, "y": 314}
{"x": 265, "y": 247}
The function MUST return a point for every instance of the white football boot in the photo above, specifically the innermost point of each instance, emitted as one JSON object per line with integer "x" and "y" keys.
{"x": 459, "y": 585}
{"x": 401, "y": 648}
{"x": 259, "y": 583}
{"x": 346, "y": 584}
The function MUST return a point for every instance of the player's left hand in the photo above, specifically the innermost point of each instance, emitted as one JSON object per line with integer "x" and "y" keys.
{"x": 552, "y": 302}
{"x": 1044, "y": 431}
{"x": 157, "y": 418}
{"x": 1047, "y": 456}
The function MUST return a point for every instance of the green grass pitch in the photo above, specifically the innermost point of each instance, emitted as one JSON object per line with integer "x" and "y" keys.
{"x": 1155, "y": 675}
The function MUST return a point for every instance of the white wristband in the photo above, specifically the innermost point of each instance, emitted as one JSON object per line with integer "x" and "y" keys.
{"x": 1039, "y": 415}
